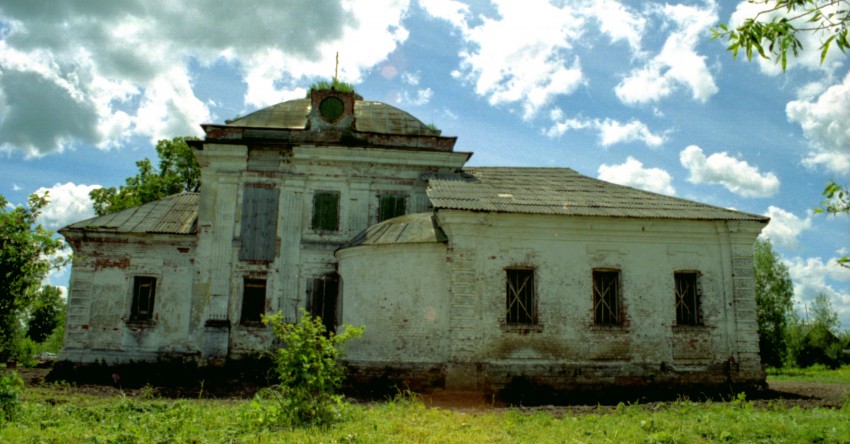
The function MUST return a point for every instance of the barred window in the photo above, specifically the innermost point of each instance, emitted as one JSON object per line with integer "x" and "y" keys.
{"x": 391, "y": 205}
{"x": 325, "y": 211}
{"x": 144, "y": 293}
{"x": 521, "y": 303}
{"x": 322, "y": 295}
{"x": 687, "y": 300}
{"x": 606, "y": 297}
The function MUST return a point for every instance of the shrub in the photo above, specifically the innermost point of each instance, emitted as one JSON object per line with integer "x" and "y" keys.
{"x": 308, "y": 371}
{"x": 10, "y": 385}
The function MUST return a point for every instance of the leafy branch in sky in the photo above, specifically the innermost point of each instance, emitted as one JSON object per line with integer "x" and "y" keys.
{"x": 178, "y": 171}
{"x": 774, "y": 32}
{"x": 837, "y": 201}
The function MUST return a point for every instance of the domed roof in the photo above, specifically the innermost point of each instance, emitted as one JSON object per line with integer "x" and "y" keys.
{"x": 371, "y": 117}
{"x": 416, "y": 228}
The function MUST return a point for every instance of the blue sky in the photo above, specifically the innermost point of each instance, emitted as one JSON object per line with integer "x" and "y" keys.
{"x": 630, "y": 92}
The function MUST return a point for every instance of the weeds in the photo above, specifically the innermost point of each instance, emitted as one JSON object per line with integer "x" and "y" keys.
{"x": 11, "y": 385}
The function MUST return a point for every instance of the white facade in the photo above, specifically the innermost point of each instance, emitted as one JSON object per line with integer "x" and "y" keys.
{"x": 296, "y": 212}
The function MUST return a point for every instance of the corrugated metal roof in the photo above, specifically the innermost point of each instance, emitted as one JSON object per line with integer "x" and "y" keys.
{"x": 373, "y": 117}
{"x": 175, "y": 214}
{"x": 408, "y": 229}
{"x": 562, "y": 191}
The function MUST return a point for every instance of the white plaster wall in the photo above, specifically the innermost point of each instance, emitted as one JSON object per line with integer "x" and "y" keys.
{"x": 101, "y": 295}
{"x": 400, "y": 294}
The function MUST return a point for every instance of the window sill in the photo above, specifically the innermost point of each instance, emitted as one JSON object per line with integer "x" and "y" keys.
{"x": 140, "y": 323}
{"x": 252, "y": 325}
{"x": 691, "y": 328}
{"x": 622, "y": 328}
{"x": 521, "y": 328}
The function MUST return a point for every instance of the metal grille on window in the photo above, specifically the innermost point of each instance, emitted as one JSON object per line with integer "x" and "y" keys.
{"x": 144, "y": 293}
{"x": 606, "y": 297}
{"x": 687, "y": 298}
{"x": 391, "y": 205}
{"x": 325, "y": 211}
{"x": 253, "y": 300}
{"x": 520, "y": 302}
{"x": 322, "y": 295}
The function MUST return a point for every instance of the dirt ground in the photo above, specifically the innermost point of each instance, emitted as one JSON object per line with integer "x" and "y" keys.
{"x": 787, "y": 393}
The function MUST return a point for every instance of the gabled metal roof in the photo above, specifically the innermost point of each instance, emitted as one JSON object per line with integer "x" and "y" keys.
{"x": 562, "y": 191}
{"x": 175, "y": 214}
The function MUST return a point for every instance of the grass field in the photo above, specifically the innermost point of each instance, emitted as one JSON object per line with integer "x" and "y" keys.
{"x": 62, "y": 413}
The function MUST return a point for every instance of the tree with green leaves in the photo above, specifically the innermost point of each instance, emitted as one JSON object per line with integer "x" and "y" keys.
{"x": 775, "y": 31}
{"x": 27, "y": 254}
{"x": 774, "y": 292}
{"x": 47, "y": 312}
{"x": 837, "y": 201}
{"x": 178, "y": 171}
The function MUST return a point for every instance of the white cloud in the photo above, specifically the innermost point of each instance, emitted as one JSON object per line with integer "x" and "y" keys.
{"x": 678, "y": 64}
{"x": 633, "y": 174}
{"x": 611, "y": 132}
{"x": 98, "y": 73}
{"x": 522, "y": 55}
{"x": 422, "y": 97}
{"x": 618, "y": 22}
{"x": 784, "y": 227}
{"x": 68, "y": 203}
{"x": 813, "y": 276}
{"x": 826, "y": 124}
{"x": 808, "y": 57}
{"x": 722, "y": 169}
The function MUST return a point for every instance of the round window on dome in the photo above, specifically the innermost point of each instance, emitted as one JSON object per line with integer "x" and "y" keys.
{"x": 331, "y": 108}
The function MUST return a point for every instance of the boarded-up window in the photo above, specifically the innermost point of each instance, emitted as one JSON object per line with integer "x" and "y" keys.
{"x": 325, "y": 211}
{"x": 253, "y": 300}
{"x": 144, "y": 293}
{"x": 687, "y": 298}
{"x": 520, "y": 302}
{"x": 322, "y": 294}
{"x": 606, "y": 297}
{"x": 259, "y": 224}
{"x": 391, "y": 205}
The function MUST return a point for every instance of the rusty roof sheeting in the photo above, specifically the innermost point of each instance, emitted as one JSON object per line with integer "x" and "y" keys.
{"x": 175, "y": 214}
{"x": 562, "y": 191}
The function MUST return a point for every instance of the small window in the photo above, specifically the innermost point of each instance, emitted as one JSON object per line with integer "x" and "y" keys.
{"x": 391, "y": 205}
{"x": 325, "y": 211}
{"x": 253, "y": 300}
{"x": 144, "y": 293}
{"x": 687, "y": 298}
{"x": 322, "y": 294}
{"x": 520, "y": 301}
{"x": 606, "y": 297}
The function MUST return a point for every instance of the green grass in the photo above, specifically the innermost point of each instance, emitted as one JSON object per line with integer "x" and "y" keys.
{"x": 819, "y": 373}
{"x": 59, "y": 414}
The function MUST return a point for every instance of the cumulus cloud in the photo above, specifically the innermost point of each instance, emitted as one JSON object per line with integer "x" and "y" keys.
{"x": 618, "y": 22}
{"x": 678, "y": 64}
{"x": 68, "y": 203}
{"x": 611, "y": 132}
{"x": 812, "y": 276}
{"x": 735, "y": 175}
{"x": 784, "y": 227}
{"x": 97, "y": 73}
{"x": 826, "y": 124}
{"x": 633, "y": 174}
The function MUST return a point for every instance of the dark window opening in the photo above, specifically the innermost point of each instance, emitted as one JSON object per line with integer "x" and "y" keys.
{"x": 259, "y": 224}
{"x": 520, "y": 301}
{"x": 322, "y": 295}
{"x": 606, "y": 297}
{"x": 687, "y": 298}
{"x": 144, "y": 293}
{"x": 325, "y": 211}
{"x": 391, "y": 205}
{"x": 253, "y": 301}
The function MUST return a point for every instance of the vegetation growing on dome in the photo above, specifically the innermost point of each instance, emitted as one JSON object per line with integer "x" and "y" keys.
{"x": 336, "y": 85}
